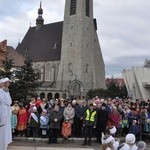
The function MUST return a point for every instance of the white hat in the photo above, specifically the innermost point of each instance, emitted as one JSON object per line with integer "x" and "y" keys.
{"x": 74, "y": 101}
{"x": 124, "y": 146}
{"x": 130, "y": 138}
{"x": 141, "y": 145}
{"x": 113, "y": 130}
{"x": 34, "y": 108}
{"x": 108, "y": 139}
{"x": 5, "y": 80}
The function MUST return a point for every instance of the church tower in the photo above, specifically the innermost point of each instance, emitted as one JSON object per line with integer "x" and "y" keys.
{"x": 39, "y": 20}
{"x": 81, "y": 66}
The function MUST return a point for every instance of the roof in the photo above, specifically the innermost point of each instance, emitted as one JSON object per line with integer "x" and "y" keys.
{"x": 18, "y": 59}
{"x": 43, "y": 44}
{"x": 118, "y": 81}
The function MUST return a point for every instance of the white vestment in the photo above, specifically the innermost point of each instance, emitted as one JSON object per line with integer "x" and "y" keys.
{"x": 6, "y": 100}
{"x": 3, "y": 121}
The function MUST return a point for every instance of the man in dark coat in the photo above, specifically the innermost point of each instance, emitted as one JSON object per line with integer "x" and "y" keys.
{"x": 79, "y": 114}
{"x": 102, "y": 120}
{"x": 55, "y": 118}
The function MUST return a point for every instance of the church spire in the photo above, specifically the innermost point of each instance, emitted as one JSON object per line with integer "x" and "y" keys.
{"x": 39, "y": 20}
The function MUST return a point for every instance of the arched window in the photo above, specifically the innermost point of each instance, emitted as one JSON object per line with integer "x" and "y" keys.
{"x": 73, "y": 7}
{"x": 42, "y": 95}
{"x": 49, "y": 96}
{"x": 57, "y": 95}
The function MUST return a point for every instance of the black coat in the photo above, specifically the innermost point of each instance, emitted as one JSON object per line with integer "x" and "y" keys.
{"x": 102, "y": 117}
{"x": 55, "y": 115}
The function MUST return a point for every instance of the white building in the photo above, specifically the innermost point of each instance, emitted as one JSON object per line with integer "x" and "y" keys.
{"x": 137, "y": 81}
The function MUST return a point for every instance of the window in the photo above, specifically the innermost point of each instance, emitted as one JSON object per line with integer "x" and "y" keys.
{"x": 39, "y": 70}
{"x": 88, "y": 8}
{"x": 47, "y": 72}
{"x": 87, "y": 68}
{"x": 70, "y": 67}
{"x": 73, "y": 6}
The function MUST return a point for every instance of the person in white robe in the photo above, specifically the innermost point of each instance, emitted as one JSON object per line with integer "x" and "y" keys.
{"x": 3, "y": 141}
{"x": 8, "y": 111}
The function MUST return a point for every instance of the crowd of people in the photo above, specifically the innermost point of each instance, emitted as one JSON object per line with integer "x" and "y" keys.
{"x": 80, "y": 118}
{"x": 104, "y": 119}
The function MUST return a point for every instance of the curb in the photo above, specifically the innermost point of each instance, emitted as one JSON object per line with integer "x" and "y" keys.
{"x": 31, "y": 139}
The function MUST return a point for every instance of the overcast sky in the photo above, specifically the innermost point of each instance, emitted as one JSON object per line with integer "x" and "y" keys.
{"x": 123, "y": 27}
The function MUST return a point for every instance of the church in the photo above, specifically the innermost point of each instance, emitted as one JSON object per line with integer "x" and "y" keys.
{"x": 67, "y": 54}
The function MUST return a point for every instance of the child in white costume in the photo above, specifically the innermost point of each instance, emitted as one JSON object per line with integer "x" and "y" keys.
{"x": 129, "y": 143}
{"x": 108, "y": 140}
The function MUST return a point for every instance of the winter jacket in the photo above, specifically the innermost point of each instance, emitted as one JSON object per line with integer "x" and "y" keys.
{"x": 87, "y": 121}
{"x": 55, "y": 115}
{"x": 69, "y": 114}
{"x": 79, "y": 111}
{"x": 102, "y": 117}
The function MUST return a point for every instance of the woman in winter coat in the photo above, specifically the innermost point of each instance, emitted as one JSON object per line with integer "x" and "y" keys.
{"x": 69, "y": 113}
{"x": 114, "y": 118}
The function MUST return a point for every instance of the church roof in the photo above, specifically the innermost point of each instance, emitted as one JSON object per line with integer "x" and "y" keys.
{"x": 43, "y": 44}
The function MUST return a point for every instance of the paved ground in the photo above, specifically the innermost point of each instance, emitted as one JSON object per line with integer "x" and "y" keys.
{"x": 41, "y": 144}
{"x": 44, "y": 146}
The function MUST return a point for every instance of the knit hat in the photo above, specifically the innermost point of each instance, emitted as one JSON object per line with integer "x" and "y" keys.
{"x": 130, "y": 138}
{"x": 141, "y": 145}
{"x": 124, "y": 146}
{"x": 113, "y": 130}
{"x": 34, "y": 108}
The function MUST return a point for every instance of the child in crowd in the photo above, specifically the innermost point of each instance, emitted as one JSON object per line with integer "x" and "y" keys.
{"x": 66, "y": 130}
{"x": 34, "y": 121}
{"x": 141, "y": 145}
{"x": 13, "y": 122}
{"x": 22, "y": 120}
{"x": 44, "y": 123}
{"x": 108, "y": 141}
{"x": 134, "y": 128}
{"x": 112, "y": 131}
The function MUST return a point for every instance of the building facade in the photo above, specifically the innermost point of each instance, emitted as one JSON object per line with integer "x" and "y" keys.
{"x": 137, "y": 81}
{"x": 3, "y": 47}
{"x": 9, "y": 53}
{"x": 67, "y": 54}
